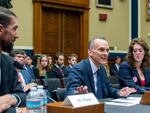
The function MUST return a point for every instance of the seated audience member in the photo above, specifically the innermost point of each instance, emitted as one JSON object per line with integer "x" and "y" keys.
{"x": 115, "y": 67}
{"x": 11, "y": 92}
{"x": 90, "y": 75}
{"x": 28, "y": 63}
{"x": 41, "y": 73}
{"x": 50, "y": 62}
{"x": 26, "y": 78}
{"x": 42, "y": 69}
{"x": 135, "y": 71}
{"x": 57, "y": 70}
{"x": 36, "y": 60}
{"x": 72, "y": 59}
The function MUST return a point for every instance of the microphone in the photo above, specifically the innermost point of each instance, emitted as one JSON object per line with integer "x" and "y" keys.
{"x": 18, "y": 65}
{"x": 52, "y": 100}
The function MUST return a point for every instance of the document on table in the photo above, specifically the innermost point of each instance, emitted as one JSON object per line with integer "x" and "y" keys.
{"x": 129, "y": 101}
{"x": 119, "y": 104}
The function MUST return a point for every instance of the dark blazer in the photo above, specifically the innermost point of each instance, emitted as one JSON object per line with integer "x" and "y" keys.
{"x": 67, "y": 70}
{"x": 113, "y": 70}
{"x": 81, "y": 74}
{"x": 56, "y": 73}
{"x": 30, "y": 70}
{"x": 26, "y": 76}
{"x": 128, "y": 76}
{"x": 9, "y": 79}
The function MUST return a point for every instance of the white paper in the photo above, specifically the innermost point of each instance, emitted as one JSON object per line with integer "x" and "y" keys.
{"x": 81, "y": 100}
{"x": 129, "y": 101}
{"x": 134, "y": 100}
{"x": 119, "y": 104}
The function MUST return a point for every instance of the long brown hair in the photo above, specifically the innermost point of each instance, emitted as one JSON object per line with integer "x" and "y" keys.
{"x": 146, "y": 59}
{"x": 43, "y": 71}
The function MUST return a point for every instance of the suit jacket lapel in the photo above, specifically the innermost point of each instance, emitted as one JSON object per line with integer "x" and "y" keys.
{"x": 4, "y": 71}
{"x": 26, "y": 76}
{"x": 90, "y": 76}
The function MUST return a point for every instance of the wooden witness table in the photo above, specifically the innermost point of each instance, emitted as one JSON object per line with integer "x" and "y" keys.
{"x": 138, "y": 108}
{"x": 58, "y": 108}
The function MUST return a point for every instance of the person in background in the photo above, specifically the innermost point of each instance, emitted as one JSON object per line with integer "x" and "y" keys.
{"x": 41, "y": 73}
{"x": 36, "y": 60}
{"x": 135, "y": 71}
{"x": 26, "y": 77}
{"x": 50, "y": 61}
{"x": 90, "y": 75}
{"x": 57, "y": 70}
{"x": 115, "y": 67}
{"x": 29, "y": 65}
{"x": 42, "y": 69}
{"x": 11, "y": 91}
{"x": 28, "y": 61}
{"x": 72, "y": 60}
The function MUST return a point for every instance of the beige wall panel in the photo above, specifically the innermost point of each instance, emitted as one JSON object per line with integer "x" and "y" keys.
{"x": 115, "y": 28}
{"x": 24, "y": 11}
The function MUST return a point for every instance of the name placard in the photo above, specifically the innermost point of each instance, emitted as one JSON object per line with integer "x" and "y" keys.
{"x": 80, "y": 100}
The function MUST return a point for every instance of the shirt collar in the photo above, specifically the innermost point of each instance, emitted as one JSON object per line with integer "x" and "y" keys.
{"x": 93, "y": 66}
{"x": 70, "y": 66}
{"x": 56, "y": 65}
{"x": 59, "y": 66}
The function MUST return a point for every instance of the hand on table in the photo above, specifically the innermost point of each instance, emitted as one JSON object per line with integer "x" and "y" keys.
{"x": 126, "y": 91}
{"x": 81, "y": 90}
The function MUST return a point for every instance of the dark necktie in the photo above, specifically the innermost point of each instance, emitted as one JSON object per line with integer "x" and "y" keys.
{"x": 99, "y": 93}
{"x": 61, "y": 78}
{"x": 61, "y": 72}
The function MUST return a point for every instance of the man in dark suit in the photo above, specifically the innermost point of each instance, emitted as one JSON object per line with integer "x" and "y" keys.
{"x": 90, "y": 75}
{"x": 11, "y": 92}
{"x": 57, "y": 70}
{"x": 115, "y": 67}
{"x": 26, "y": 78}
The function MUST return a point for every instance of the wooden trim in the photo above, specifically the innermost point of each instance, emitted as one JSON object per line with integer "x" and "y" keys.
{"x": 84, "y": 33}
{"x": 37, "y": 25}
{"x": 62, "y": 7}
{"x": 75, "y": 3}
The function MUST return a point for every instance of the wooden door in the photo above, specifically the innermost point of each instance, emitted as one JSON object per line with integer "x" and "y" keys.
{"x": 71, "y": 33}
{"x": 50, "y": 30}
{"x": 61, "y": 31}
{"x": 61, "y": 25}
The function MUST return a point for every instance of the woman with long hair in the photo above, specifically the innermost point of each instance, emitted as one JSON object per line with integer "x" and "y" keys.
{"x": 135, "y": 71}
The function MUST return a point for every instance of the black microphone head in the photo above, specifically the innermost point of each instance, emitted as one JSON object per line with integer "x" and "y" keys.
{"x": 18, "y": 65}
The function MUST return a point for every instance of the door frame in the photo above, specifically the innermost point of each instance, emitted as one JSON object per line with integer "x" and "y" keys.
{"x": 79, "y": 5}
